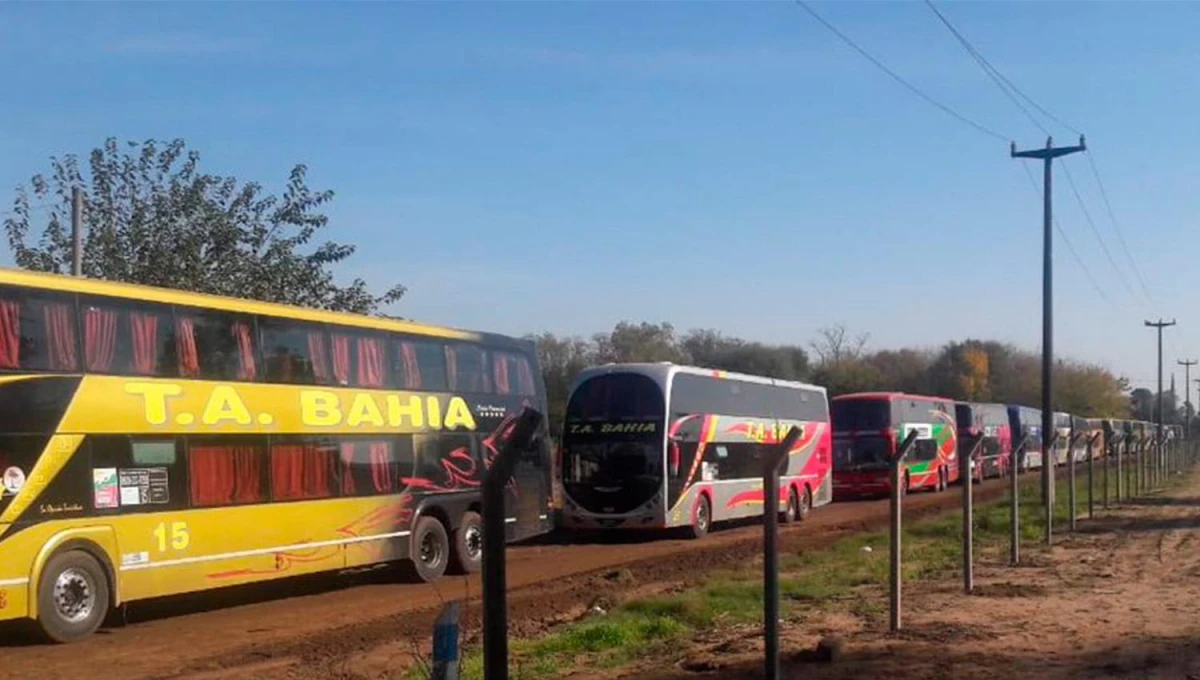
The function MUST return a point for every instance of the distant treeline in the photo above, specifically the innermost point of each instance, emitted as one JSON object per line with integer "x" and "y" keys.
{"x": 971, "y": 370}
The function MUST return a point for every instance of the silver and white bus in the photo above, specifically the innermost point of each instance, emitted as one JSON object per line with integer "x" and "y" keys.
{"x": 655, "y": 446}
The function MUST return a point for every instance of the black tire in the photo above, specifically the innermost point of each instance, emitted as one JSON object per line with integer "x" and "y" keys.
{"x": 806, "y": 504}
{"x": 73, "y": 597}
{"x": 701, "y": 519}
{"x": 430, "y": 549}
{"x": 791, "y": 513}
{"x": 468, "y": 544}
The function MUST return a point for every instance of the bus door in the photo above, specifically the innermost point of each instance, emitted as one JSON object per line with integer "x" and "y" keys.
{"x": 527, "y": 498}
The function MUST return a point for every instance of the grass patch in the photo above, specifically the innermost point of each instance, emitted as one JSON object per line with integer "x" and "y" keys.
{"x": 849, "y": 574}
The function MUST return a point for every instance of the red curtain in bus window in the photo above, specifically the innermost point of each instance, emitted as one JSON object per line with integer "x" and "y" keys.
{"x": 500, "y": 371}
{"x": 144, "y": 328}
{"x": 99, "y": 339}
{"x": 381, "y": 468}
{"x": 247, "y": 367}
{"x": 410, "y": 370}
{"x": 185, "y": 345}
{"x": 248, "y": 467}
{"x": 526, "y": 386}
{"x": 318, "y": 468}
{"x": 319, "y": 356}
{"x": 341, "y": 359}
{"x": 60, "y": 337}
{"x": 287, "y": 471}
{"x": 347, "y": 467}
{"x": 10, "y": 334}
{"x": 370, "y": 362}
{"x": 452, "y": 367}
{"x": 212, "y": 475}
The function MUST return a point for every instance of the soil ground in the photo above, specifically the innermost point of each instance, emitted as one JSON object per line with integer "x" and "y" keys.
{"x": 364, "y": 626}
{"x": 1119, "y": 599}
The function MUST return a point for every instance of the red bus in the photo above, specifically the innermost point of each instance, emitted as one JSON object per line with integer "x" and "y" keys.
{"x": 868, "y": 429}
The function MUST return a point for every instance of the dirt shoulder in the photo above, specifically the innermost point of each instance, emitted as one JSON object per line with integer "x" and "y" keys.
{"x": 1116, "y": 600}
{"x": 366, "y": 626}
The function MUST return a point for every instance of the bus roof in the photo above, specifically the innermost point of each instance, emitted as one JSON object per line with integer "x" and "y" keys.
{"x": 890, "y": 396}
{"x": 72, "y": 284}
{"x": 665, "y": 369}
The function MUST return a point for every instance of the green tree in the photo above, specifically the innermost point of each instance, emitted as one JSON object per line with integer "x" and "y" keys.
{"x": 711, "y": 349}
{"x": 641, "y": 342}
{"x": 152, "y": 217}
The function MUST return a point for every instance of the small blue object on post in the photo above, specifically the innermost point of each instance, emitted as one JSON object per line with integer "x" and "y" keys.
{"x": 445, "y": 644}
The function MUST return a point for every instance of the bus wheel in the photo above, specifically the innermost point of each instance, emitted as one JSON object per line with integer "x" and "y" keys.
{"x": 73, "y": 598}
{"x": 806, "y": 504}
{"x": 468, "y": 544}
{"x": 430, "y": 549}
{"x": 701, "y": 518}
{"x": 792, "y": 512}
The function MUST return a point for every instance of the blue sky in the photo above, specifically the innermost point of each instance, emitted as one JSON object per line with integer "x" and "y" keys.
{"x": 530, "y": 166}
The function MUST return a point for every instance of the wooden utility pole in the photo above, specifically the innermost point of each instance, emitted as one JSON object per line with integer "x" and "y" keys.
{"x": 1047, "y": 156}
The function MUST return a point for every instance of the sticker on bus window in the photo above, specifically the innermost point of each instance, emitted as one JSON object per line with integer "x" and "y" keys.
{"x": 144, "y": 486}
{"x": 14, "y": 479}
{"x": 104, "y": 488}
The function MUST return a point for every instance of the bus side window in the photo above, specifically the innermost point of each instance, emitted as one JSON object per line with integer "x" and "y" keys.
{"x": 38, "y": 332}
{"x": 419, "y": 365}
{"x": 124, "y": 338}
{"x": 228, "y": 470}
{"x": 138, "y": 474}
{"x": 295, "y": 353}
{"x": 215, "y": 345}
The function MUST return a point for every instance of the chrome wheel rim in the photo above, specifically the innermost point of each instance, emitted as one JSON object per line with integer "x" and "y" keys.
{"x": 74, "y": 598}
{"x": 473, "y": 541}
{"x": 431, "y": 550}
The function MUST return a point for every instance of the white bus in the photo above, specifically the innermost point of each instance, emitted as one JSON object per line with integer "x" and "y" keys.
{"x": 656, "y": 446}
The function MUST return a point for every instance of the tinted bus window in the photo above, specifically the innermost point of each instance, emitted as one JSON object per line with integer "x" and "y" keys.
{"x": 860, "y": 414}
{"x": 359, "y": 358}
{"x": 38, "y": 332}
{"x": 126, "y": 339}
{"x": 704, "y": 394}
{"x": 295, "y": 353}
{"x": 420, "y": 365}
{"x": 468, "y": 369}
{"x": 617, "y": 396}
{"x": 215, "y": 345}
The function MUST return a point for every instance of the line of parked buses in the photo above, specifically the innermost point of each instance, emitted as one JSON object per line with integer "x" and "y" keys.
{"x": 155, "y": 442}
{"x": 662, "y": 445}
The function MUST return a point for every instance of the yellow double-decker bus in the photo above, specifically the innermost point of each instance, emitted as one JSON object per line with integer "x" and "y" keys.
{"x": 155, "y": 442}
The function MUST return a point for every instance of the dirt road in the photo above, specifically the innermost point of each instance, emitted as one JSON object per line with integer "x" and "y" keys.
{"x": 347, "y": 627}
{"x": 1118, "y": 600}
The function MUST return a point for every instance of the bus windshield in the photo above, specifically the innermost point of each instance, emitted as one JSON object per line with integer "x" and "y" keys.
{"x": 613, "y": 442}
{"x": 852, "y": 415}
{"x": 859, "y": 452}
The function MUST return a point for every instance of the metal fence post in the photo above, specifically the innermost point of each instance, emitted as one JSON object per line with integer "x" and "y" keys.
{"x": 1049, "y": 494}
{"x": 1014, "y": 505}
{"x": 773, "y": 461}
{"x": 968, "y": 515}
{"x": 1122, "y": 448}
{"x": 1072, "y": 496}
{"x": 897, "y": 491}
{"x": 1109, "y": 448}
{"x": 445, "y": 644}
{"x": 1091, "y": 464}
{"x": 515, "y": 436}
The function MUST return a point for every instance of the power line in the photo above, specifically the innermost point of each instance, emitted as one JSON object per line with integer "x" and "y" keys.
{"x": 895, "y": 76}
{"x": 1007, "y": 87}
{"x": 1000, "y": 77}
{"x": 1070, "y": 247}
{"x": 1117, "y": 227}
{"x": 1088, "y": 216}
